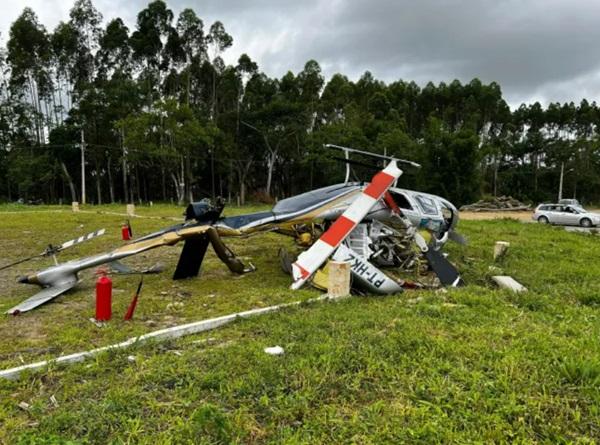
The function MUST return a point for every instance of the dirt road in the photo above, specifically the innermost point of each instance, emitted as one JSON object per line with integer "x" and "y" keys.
{"x": 521, "y": 216}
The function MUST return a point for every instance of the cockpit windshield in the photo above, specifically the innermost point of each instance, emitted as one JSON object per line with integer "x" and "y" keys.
{"x": 427, "y": 205}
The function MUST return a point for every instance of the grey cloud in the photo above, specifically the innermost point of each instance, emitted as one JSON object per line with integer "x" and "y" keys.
{"x": 536, "y": 50}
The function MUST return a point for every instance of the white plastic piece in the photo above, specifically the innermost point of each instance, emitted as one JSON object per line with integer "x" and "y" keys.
{"x": 274, "y": 350}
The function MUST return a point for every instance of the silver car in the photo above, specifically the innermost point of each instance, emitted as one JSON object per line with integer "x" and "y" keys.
{"x": 565, "y": 215}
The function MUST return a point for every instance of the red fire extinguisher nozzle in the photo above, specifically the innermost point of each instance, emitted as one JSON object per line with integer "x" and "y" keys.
{"x": 133, "y": 304}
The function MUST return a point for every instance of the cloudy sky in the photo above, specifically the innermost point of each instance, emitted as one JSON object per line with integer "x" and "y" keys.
{"x": 546, "y": 50}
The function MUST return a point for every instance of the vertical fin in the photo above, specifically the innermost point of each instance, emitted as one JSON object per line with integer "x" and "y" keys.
{"x": 191, "y": 257}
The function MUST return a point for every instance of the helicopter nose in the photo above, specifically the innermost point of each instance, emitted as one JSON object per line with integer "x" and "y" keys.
{"x": 23, "y": 279}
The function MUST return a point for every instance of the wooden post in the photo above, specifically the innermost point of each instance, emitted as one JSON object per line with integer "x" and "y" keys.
{"x": 500, "y": 249}
{"x": 339, "y": 279}
{"x": 75, "y": 206}
{"x": 130, "y": 210}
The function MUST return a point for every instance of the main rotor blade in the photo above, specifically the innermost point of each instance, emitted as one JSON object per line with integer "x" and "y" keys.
{"x": 375, "y": 155}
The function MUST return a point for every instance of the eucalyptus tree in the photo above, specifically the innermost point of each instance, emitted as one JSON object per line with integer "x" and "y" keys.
{"x": 152, "y": 29}
{"x": 29, "y": 58}
{"x": 218, "y": 41}
{"x": 193, "y": 42}
{"x": 169, "y": 135}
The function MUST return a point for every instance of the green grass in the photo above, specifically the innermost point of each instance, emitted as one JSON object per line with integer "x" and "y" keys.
{"x": 470, "y": 365}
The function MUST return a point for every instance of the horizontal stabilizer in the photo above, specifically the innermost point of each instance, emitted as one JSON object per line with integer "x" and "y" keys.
{"x": 41, "y": 297}
{"x": 124, "y": 269}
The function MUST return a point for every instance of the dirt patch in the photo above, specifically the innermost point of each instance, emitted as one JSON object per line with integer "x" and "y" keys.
{"x": 521, "y": 216}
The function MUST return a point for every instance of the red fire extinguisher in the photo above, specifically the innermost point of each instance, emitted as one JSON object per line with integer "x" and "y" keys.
{"x": 103, "y": 297}
{"x": 126, "y": 231}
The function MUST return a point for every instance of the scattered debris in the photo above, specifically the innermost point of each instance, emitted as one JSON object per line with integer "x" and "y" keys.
{"x": 506, "y": 282}
{"x": 175, "y": 306}
{"x": 54, "y": 401}
{"x": 208, "y": 340}
{"x": 24, "y": 406}
{"x": 99, "y": 324}
{"x": 131, "y": 358}
{"x": 498, "y": 204}
{"x": 495, "y": 270}
{"x": 500, "y": 249}
{"x": 274, "y": 350}
{"x": 160, "y": 335}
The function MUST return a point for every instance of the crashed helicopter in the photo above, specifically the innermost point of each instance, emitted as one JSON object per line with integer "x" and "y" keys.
{"x": 373, "y": 225}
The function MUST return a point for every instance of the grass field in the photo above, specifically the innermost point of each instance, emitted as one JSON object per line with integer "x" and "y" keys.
{"x": 470, "y": 365}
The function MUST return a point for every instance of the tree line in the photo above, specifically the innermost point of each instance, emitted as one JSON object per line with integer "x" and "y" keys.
{"x": 160, "y": 116}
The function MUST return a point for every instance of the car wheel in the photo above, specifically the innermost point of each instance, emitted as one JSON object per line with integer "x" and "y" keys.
{"x": 543, "y": 220}
{"x": 585, "y": 222}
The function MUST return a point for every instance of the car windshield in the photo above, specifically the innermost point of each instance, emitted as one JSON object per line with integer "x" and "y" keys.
{"x": 579, "y": 209}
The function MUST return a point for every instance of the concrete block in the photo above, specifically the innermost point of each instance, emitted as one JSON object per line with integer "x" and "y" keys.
{"x": 339, "y": 279}
{"x": 500, "y": 249}
{"x": 506, "y": 282}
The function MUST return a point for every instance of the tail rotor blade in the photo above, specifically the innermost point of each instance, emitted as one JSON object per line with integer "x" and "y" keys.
{"x": 81, "y": 239}
{"x": 52, "y": 250}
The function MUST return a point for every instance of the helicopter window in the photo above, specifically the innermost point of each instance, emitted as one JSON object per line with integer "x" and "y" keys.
{"x": 401, "y": 201}
{"x": 427, "y": 204}
{"x": 447, "y": 213}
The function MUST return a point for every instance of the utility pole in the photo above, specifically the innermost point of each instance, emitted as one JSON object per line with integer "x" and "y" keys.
{"x": 82, "y": 168}
{"x": 212, "y": 171}
{"x": 560, "y": 183}
{"x": 125, "y": 189}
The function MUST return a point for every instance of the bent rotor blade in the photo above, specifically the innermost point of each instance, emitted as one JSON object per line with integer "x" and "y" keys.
{"x": 445, "y": 271}
{"x": 79, "y": 240}
{"x": 41, "y": 297}
{"x": 310, "y": 260}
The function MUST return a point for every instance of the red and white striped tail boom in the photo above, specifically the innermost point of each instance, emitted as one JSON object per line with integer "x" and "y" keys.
{"x": 309, "y": 261}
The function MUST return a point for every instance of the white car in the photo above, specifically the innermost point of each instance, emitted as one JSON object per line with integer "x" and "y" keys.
{"x": 565, "y": 215}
